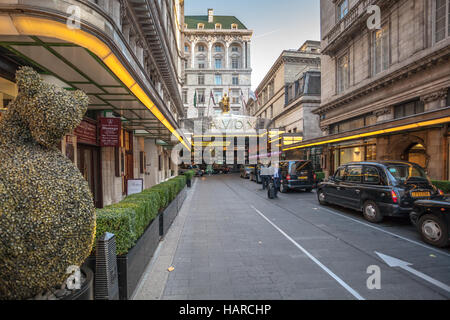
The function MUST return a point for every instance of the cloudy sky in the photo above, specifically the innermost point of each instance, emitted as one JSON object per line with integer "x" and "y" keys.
{"x": 277, "y": 25}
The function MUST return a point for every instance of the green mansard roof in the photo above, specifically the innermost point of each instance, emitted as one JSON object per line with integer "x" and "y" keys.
{"x": 225, "y": 21}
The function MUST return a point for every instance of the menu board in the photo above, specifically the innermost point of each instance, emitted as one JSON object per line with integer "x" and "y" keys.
{"x": 110, "y": 130}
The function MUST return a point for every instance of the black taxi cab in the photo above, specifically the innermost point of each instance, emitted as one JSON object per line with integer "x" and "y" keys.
{"x": 378, "y": 188}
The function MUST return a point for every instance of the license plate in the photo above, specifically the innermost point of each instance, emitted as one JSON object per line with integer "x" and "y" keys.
{"x": 303, "y": 178}
{"x": 421, "y": 194}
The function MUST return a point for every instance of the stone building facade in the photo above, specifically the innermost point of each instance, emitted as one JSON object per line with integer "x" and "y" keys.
{"x": 127, "y": 56}
{"x": 290, "y": 92}
{"x": 385, "y": 92}
{"x": 217, "y": 62}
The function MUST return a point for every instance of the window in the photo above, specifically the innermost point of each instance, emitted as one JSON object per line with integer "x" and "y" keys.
{"x": 218, "y": 63}
{"x": 235, "y": 80}
{"x": 342, "y": 9}
{"x": 185, "y": 96}
{"x": 218, "y": 48}
{"x": 201, "y": 113}
{"x": 441, "y": 20}
{"x": 201, "y": 79}
{"x": 234, "y": 26}
{"x": 343, "y": 73}
{"x": 354, "y": 174}
{"x": 201, "y": 48}
{"x": 201, "y": 96}
{"x": 271, "y": 114}
{"x": 408, "y": 109}
{"x": 235, "y": 63}
{"x": 218, "y": 26}
{"x": 234, "y": 49}
{"x": 186, "y": 48}
{"x": 340, "y": 174}
{"x": 380, "y": 53}
{"x": 235, "y": 96}
{"x": 218, "y": 96}
{"x": 201, "y": 64}
{"x": 371, "y": 175}
{"x": 200, "y": 26}
{"x": 272, "y": 88}
{"x": 218, "y": 80}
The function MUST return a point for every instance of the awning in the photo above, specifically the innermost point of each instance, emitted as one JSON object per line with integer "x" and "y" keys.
{"x": 76, "y": 59}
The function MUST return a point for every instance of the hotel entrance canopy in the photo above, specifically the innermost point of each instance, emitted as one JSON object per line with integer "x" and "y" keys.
{"x": 91, "y": 59}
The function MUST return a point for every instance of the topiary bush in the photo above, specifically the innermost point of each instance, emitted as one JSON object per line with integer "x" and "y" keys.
{"x": 47, "y": 216}
{"x": 129, "y": 218}
{"x": 189, "y": 174}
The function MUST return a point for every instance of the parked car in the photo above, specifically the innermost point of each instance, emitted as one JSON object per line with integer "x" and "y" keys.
{"x": 378, "y": 188}
{"x": 185, "y": 167}
{"x": 296, "y": 175}
{"x": 432, "y": 219}
{"x": 258, "y": 179}
{"x": 246, "y": 171}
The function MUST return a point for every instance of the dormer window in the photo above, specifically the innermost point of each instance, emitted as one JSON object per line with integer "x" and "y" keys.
{"x": 234, "y": 26}
{"x": 218, "y": 26}
{"x": 200, "y": 26}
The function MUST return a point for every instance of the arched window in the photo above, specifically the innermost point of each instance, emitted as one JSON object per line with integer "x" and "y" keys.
{"x": 417, "y": 154}
{"x": 234, "y": 26}
{"x": 200, "y": 26}
{"x": 218, "y": 26}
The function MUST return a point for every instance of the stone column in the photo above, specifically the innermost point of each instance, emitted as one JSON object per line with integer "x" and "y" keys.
{"x": 227, "y": 55}
{"x": 244, "y": 49}
{"x": 210, "y": 55}
{"x": 249, "y": 65}
{"x": 193, "y": 44}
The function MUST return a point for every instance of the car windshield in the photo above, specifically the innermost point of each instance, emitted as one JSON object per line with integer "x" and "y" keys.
{"x": 404, "y": 173}
{"x": 300, "y": 168}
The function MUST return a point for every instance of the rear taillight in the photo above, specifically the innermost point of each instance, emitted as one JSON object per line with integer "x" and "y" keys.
{"x": 315, "y": 176}
{"x": 288, "y": 177}
{"x": 441, "y": 192}
{"x": 394, "y": 196}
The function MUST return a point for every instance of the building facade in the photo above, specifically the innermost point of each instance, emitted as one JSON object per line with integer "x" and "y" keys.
{"x": 385, "y": 92}
{"x": 217, "y": 62}
{"x": 127, "y": 56}
{"x": 290, "y": 92}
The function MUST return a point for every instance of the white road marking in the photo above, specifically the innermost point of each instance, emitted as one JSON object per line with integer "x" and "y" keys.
{"x": 394, "y": 262}
{"x": 334, "y": 276}
{"x": 388, "y": 232}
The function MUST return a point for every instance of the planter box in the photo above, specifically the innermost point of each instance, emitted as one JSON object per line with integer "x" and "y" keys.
{"x": 132, "y": 265}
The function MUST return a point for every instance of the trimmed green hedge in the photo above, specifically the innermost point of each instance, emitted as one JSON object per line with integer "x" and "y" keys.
{"x": 189, "y": 174}
{"x": 443, "y": 185}
{"x": 129, "y": 218}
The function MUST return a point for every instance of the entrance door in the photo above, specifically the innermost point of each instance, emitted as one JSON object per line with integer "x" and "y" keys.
{"x": 89, "y": 166}
{"x": 417, "y": 154}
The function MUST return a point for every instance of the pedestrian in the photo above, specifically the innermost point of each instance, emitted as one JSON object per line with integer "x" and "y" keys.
{"x": 276, "y": 179}
{"x": 264, "y": 176}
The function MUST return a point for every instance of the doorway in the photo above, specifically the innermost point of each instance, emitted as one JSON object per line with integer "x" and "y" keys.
{"x": 89, "y": 165}
{"x": 417, "y": 154}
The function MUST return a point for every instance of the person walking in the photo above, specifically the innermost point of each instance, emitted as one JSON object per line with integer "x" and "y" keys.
{"x": 276, "y": 179}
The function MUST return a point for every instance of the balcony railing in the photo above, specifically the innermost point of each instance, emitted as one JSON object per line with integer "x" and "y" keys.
{"x": 357, "y": 15}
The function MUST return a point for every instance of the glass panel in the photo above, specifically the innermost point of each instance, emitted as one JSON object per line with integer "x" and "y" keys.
{"x": 352, "y": 155}
{"x": 354, "y": 174}
{"x": 440, "y": 20}
{"x": 371, "y": 175}
{"x": 343, "y": 73}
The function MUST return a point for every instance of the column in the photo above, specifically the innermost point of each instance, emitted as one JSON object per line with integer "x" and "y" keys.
{"x": 249, "y": 61}
{"x": 193, "y": 44}
{"x": 227, "y": 55}
{"x": 210, "y": 55}
{"x": 244, "y": 62}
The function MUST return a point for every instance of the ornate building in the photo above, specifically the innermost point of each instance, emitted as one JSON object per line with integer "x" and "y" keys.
{"x": 385, "y": 92}
{"x": 217, "y": 62}
{"x": 127, "y": 56}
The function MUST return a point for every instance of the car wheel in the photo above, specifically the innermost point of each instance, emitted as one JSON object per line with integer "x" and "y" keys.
{"x": 434, "y": 230}
{"x": 372, "y": 212}
{"x": 283, "y": 188}
{"x": 321, "y": 197}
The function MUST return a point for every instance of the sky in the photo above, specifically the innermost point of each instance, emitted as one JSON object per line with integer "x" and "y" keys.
{"x": 277, "y": 25}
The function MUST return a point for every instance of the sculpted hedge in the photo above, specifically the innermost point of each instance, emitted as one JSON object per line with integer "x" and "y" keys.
{"x": 47, "y": 217}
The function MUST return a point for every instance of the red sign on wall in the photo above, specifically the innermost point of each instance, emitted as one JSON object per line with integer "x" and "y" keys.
{"x": 86, "y": 133}
{"x": 110, "y": 129}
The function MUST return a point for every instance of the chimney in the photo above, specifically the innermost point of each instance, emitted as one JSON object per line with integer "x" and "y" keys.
{"x": 210, "y": 15}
